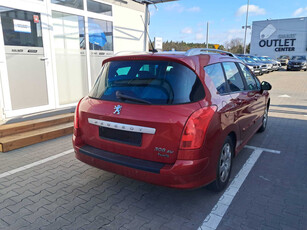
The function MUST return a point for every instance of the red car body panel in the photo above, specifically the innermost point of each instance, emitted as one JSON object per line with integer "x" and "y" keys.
{"x": 237, "y": 114}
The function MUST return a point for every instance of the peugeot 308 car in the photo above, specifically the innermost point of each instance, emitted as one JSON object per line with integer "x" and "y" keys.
{"x": 175, "y": 120}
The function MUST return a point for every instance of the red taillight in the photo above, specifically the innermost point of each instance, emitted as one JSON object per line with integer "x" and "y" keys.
{"x": 195, "y": 129}
{"x": 76, "y": 119}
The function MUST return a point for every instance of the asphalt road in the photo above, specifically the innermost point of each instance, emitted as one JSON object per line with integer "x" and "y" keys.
{"x": 63, "y": 193}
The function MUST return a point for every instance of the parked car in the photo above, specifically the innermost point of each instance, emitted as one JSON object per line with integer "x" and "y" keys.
{"x": 251, "y": 64}
{"x": 297, "y": 63}
{"x": 274, "y": 65}
{"x": 264, "y": 66}
{"x": 284, "y": 59}
{"x": 174, "y": 120}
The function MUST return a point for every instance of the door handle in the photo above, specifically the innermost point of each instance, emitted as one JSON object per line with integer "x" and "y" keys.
{"x": 43, "y": 58}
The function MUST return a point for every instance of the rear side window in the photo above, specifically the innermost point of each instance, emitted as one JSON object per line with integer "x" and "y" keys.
{"x": 216, "y": 74}
{"x": 148, "y": 82}
{"x": 233, "y": 77}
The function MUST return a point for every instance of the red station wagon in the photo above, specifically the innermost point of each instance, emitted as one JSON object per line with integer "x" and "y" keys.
{"x": 171, "y": 119}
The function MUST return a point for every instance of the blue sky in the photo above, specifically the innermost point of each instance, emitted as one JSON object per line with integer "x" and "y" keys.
{"x": 185, "y": 20}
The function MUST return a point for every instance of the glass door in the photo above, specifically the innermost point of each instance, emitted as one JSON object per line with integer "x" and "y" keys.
{"x": 70, "y": 56}
{"x": 24, "y": 81}
{"x": 100, "y": 43}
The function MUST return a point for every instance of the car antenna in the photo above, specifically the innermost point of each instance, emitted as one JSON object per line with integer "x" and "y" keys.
{"x": 146, "y": 31}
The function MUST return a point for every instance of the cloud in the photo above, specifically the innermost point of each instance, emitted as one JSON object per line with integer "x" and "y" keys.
{"x": 194, "y": 9}
{"x": 174, "y": 7}
{"x": 178, "y": 8}
{"x": 226, "y": 36}
{"x": 199, "y": 37}
{"x": 152, "y": 12}
{"x": 300, "y": 12}
{"x": 187, "y": 30}
{"x": 253, "y": 10}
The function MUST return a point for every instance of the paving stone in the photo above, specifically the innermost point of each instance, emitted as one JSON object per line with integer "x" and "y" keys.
{"x": 59, "y": 223}
{"x": 37, "y": 224}
{"x": 19, "y": 205}
{"x": 91, "y": 215}
{"x": 136, "y": 223}
{"x": 36, "y": 215}
{"x": 19, "y": 223}
{"x": 117, "y": 223}
{"x": 3, "y": 224}
{"x": 74, "y": 214}
{"x": 52, "y": 216}
{"x": 11, "y": 219}
{"x": 77, "y": 224}
{"x": 97, "y": 224}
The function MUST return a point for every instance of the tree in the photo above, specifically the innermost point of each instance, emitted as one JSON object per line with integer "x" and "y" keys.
{"x": 235, "y": 46}
{"x": 248, "y": 48}
{"x": 183, "y": 46}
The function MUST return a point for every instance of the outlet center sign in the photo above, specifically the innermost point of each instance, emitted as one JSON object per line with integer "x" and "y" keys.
{"x": 285, "y": 42}
{"x": 278, "y": 37}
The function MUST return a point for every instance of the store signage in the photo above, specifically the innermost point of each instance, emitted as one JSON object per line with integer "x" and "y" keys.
{"x": 284, "y": 42}
{"x": 267, "y": 31}
{"x": 22, "y": 26}
{"x": 158, "y": 43}
{"x": 35, "y": 18}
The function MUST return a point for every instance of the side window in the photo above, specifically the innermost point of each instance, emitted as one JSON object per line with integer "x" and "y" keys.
{"x": 258, "y": 83}
{"x": 233, "y": 77}
{"x": 250, "y": 80}
{"x": 215, "y": 72}
{"x": 123, "y": 70}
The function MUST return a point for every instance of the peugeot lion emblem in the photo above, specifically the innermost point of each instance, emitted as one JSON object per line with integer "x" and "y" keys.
{"x": 117, "y": 109}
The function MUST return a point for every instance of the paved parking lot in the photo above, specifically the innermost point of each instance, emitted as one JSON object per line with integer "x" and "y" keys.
{"x": 63, "y": 193}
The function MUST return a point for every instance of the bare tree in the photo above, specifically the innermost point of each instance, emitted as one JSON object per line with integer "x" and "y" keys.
{"x": 235, "y": 45}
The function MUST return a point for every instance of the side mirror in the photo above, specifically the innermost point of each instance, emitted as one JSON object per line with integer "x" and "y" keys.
{"x": 266, "y": 86}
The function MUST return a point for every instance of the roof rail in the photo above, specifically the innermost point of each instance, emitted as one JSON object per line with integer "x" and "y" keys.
{"x": 197, "y": 51}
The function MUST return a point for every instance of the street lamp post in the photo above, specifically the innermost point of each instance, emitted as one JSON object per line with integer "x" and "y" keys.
{"x": 246, "y": 26}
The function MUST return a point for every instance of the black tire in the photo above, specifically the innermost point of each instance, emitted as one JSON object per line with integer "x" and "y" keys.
{"x": 224, "y": 162}
{"x": 264, "y": 120}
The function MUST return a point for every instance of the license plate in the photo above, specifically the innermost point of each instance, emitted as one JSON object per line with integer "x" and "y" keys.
{"x": 296, "y": 66}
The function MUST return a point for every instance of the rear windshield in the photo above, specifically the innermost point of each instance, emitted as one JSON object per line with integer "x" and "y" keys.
{"x": 147, "y": 82}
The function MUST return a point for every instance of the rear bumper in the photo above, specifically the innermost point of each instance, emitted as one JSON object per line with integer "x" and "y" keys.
{"x": 182, "y": 174}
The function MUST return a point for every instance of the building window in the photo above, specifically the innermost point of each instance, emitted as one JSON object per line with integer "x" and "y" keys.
{"x": 20, "y": 28}
{"x": 78, "y": 4}
{"x": 99, "y": 8}
{"x": 100, "y": 34}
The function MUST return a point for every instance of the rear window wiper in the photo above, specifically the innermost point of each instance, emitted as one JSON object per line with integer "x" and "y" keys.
{"x": 124, "y": 97}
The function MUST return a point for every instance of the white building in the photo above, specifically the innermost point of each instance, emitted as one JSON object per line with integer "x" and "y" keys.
{"x": 51, "y": 50}
{"x": 279, "y": 37}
